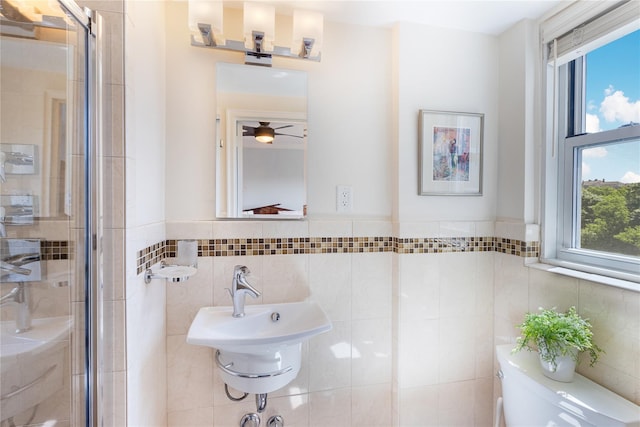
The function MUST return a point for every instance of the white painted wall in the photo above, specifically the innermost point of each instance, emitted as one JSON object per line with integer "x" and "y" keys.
{"x": 446, "y": 70}
{"x": 350, "y": 139}
{"x": 145, "y": 111}
{"x": 517, "y": 129}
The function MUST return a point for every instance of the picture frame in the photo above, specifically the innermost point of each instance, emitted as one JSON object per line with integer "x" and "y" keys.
{"x": 450, "y": 153}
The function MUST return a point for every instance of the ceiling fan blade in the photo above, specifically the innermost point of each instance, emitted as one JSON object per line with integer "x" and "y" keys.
{"x": 248, "y": 131}
{"x": 286, "y": 134}
{"x": 285, "y": 126}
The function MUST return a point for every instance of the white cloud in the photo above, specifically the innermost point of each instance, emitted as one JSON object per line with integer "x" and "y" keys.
{"x": 586, "y": 171}
{"x": 595, "y": 152}
{"x": 630, "y": 178}
{"x": 593, "y": 123}
{"x": 617, "y": 107}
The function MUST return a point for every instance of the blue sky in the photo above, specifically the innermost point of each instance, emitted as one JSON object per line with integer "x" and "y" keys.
{"x": 613, "y": 99}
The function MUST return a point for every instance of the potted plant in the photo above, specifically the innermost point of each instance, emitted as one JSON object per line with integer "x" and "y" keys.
{"x": 559, "y": 339}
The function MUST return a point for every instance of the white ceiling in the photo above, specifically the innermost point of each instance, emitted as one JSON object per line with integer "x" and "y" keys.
{"x": 490, "y": 17}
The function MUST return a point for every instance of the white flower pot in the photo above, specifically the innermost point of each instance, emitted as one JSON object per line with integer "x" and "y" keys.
{"x": 564, "y": 368}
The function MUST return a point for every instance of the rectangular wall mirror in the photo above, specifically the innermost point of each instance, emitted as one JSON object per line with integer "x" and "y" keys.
{"x": 261, "y": 153}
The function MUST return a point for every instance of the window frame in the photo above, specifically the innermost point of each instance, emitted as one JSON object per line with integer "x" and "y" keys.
{"x": 565, "y": 88}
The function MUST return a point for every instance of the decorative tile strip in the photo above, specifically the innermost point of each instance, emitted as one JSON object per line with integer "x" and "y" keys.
{"x": 323, "y": 245}
{"x": 149, "y": 256}
{"x": 436, "y": 245}
{"x": 51, "y": 250}
{"x": 287, "y": 246}
{"x": 518, "y": 247}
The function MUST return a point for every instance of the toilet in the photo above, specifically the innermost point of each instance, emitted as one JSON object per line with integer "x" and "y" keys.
{"x": 531, "y": 399}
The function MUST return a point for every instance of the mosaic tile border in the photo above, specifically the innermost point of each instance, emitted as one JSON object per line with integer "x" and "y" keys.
{"x": 149, "y": 256}
{"x": 436, "y": 245}
{"x": 52, "y": 250}
{"x": 323, "y": 245}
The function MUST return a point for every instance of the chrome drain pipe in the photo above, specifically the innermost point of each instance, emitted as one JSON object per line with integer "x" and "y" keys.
{"x": 261, "y": 402}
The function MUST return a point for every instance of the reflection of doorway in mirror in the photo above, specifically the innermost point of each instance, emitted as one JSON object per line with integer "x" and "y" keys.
{"x": 272, "y": 175}
{"x": 55, "y": 154}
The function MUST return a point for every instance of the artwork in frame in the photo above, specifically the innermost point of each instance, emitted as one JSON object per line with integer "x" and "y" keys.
{"x": 450, "y": 153}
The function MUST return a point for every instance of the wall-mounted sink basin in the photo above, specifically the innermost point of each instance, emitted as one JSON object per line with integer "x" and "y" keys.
{"x": 260, "y": 352}
{"x": 31, "y": 363}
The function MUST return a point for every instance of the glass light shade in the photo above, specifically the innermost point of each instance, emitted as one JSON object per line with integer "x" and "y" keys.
{"x": 259, "y": 17}
{"x": 264, "y": 134}
{"x": 206, "y": 12}
{"x": 265, "y": 139}
{"x": 307, "y": 24}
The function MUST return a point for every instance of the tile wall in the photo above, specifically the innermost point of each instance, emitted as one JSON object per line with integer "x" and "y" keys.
{"x": 401, "y": 308}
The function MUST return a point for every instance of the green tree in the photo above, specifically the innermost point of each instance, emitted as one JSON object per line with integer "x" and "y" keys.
{"x": 631, "y": 236}
{"x": 607, "y": 215}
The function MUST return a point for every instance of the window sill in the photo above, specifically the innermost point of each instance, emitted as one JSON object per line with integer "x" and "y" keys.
{"x": 569, "y": 269}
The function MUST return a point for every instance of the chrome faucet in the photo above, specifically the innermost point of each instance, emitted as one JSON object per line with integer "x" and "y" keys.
{"x": 239, "y": 288}
{"x": 19, "y": 297}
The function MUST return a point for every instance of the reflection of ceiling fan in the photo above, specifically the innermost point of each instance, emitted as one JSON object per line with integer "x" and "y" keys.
{"x": 264, "y": 133}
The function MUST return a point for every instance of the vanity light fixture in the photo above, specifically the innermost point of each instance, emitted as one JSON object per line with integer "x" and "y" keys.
{"x": 205, "y": 23}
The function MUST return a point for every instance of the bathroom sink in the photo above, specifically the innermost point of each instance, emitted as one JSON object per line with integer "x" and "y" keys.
{"x": 262, "y": 327}
{"x": 261, "y": 351}
{"x": 44, "y": 333}
{"x": 32, "y": 363}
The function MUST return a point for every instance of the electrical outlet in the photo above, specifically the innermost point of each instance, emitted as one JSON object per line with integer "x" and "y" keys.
{"x": 344, "y": 198}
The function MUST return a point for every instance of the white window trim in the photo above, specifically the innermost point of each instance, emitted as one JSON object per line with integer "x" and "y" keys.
{"x": 571, "y": 261}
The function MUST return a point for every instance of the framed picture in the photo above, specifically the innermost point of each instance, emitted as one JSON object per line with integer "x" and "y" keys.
{"x": 450, "y": 153}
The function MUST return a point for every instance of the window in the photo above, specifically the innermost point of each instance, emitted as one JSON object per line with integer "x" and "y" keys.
{"x": 595, "y": 80}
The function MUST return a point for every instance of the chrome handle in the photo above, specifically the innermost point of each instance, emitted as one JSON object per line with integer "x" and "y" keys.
{"x": 226, "y": 369}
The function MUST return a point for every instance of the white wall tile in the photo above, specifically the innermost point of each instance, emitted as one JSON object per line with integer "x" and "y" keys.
{"x": 419, "y": 406}
{"x": 189, "y": 230}
{"x": 330, "y": 408}
{"x": 196, "y": 417}
{"x": 184, "y": 299}
{"x": 330, "y": 358}
{"x": 371, "y": 357}
{"x": 418, "y": 287}
{"x": 330, "y": 228}
{"x": 371, "y": 406}
{"x": 371, "y": 285}
{"x": 189, "y": 375}
{"x": 418, "y": 353}
{"x": 330, "y": 283}
{"x": 285, "y": 229}
{"x": 285, "y": 278}
{"x": 372, "y": 229}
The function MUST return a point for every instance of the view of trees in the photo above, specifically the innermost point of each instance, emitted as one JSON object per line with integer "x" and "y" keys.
{"x": 611, "y": 217}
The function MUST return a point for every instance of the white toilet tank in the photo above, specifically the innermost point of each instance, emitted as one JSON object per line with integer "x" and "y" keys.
{"x": 531, "y": 399}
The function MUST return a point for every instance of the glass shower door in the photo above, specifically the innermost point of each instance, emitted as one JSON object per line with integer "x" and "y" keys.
{"x": 47, "y": 157}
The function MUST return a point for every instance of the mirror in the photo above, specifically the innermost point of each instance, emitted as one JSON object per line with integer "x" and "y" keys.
{"x": 34, "y": 143}
{"x": 258, "y": 180}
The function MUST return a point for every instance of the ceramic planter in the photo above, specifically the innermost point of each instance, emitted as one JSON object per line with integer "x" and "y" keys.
{"x": 564, "y": 367}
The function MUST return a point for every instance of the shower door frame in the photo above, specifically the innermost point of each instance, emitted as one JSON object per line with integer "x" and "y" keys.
{"x": 91, "y": 22}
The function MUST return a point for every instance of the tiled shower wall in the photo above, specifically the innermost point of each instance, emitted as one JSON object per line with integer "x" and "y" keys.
{"x": 401, "y": 308}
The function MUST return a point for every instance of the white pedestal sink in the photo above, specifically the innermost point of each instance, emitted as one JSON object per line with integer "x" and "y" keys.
{"x": 260, "y": 352}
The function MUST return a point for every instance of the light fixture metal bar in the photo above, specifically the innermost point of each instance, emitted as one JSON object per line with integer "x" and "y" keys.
{"x": 278, "y": 51}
